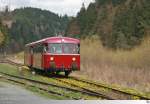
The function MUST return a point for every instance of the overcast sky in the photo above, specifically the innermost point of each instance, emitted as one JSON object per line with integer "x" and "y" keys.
{"x": 69, "y": 7}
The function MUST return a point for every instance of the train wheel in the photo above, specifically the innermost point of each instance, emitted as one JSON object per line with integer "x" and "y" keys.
{"x": 67, "y": 73}
{"x": 31, "y": 68}
{"x": 33, "y": 72}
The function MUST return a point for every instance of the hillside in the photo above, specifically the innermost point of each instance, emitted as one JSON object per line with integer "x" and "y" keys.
{"x": 118, "y": 23}
{"x": 3, "y": 34}
{"x": 30, "y": 24}
{"x": 1, "y": 37}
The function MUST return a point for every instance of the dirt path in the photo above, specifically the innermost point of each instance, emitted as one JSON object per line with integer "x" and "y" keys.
{"x": 12, "y": 94}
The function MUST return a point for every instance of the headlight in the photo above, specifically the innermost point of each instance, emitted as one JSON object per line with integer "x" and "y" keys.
{"x": 73, "y": 59}
{"x": 52, "y": 58}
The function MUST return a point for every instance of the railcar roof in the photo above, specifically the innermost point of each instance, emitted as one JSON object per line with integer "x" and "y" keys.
{"x": 55, "y": 40}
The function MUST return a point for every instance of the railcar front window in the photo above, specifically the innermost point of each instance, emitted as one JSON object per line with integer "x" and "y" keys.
{"x": 55, "y": 48}
{"x": 64, "y": 48}
{"x": 70, "y": 48}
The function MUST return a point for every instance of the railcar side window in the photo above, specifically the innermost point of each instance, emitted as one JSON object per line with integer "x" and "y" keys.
{"x": 45, "y": 49}
{"x": 31, "y": 50}
{"x": 38, "y": 48}
{"x": 26, "y": 50}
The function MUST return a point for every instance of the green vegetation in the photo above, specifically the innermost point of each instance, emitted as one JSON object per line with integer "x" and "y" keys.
{"x": 114, "y": 2}
{"x": 3, "y": 35}
{"x": 25, "y": 73}
{"x": 31, "y": 24}
{"x": 6, "y": 68}
{"x": 118, "y": 23}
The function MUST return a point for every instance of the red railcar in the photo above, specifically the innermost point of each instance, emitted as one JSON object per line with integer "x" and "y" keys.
{"x": 54, "y": 54}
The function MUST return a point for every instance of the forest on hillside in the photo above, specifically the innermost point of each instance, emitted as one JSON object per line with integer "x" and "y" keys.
{"x": 3, "y": 35}
{"x": 28, "y": 24}
{"x": 118, "y": 23}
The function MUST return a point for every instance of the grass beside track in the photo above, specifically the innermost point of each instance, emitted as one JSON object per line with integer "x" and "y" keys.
{"x": 6, "y": 68}
{"x": 69, "y": 82}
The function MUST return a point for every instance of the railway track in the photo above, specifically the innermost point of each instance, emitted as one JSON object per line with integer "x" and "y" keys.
{"x": 93, "y": 88}
{"x": 114, "y": 93}
{"x": 33, "y": 83}
{"x": 86, "y": 93}
{"x": 20, "y": 82}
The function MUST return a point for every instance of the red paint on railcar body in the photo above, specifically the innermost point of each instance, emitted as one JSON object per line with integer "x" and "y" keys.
{"x": 54, "y": 54}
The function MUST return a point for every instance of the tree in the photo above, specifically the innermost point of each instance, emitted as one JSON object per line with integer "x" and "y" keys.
{"x": 81, "y": 18}
{"x": 121, "y": 41}
{"x": 1, "y": 37}
{"x": 32, "y": 24}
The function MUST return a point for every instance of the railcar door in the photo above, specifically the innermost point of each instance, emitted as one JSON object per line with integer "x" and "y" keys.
{"x": 37, "y": 56}
{"x": 28, "y": 56}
